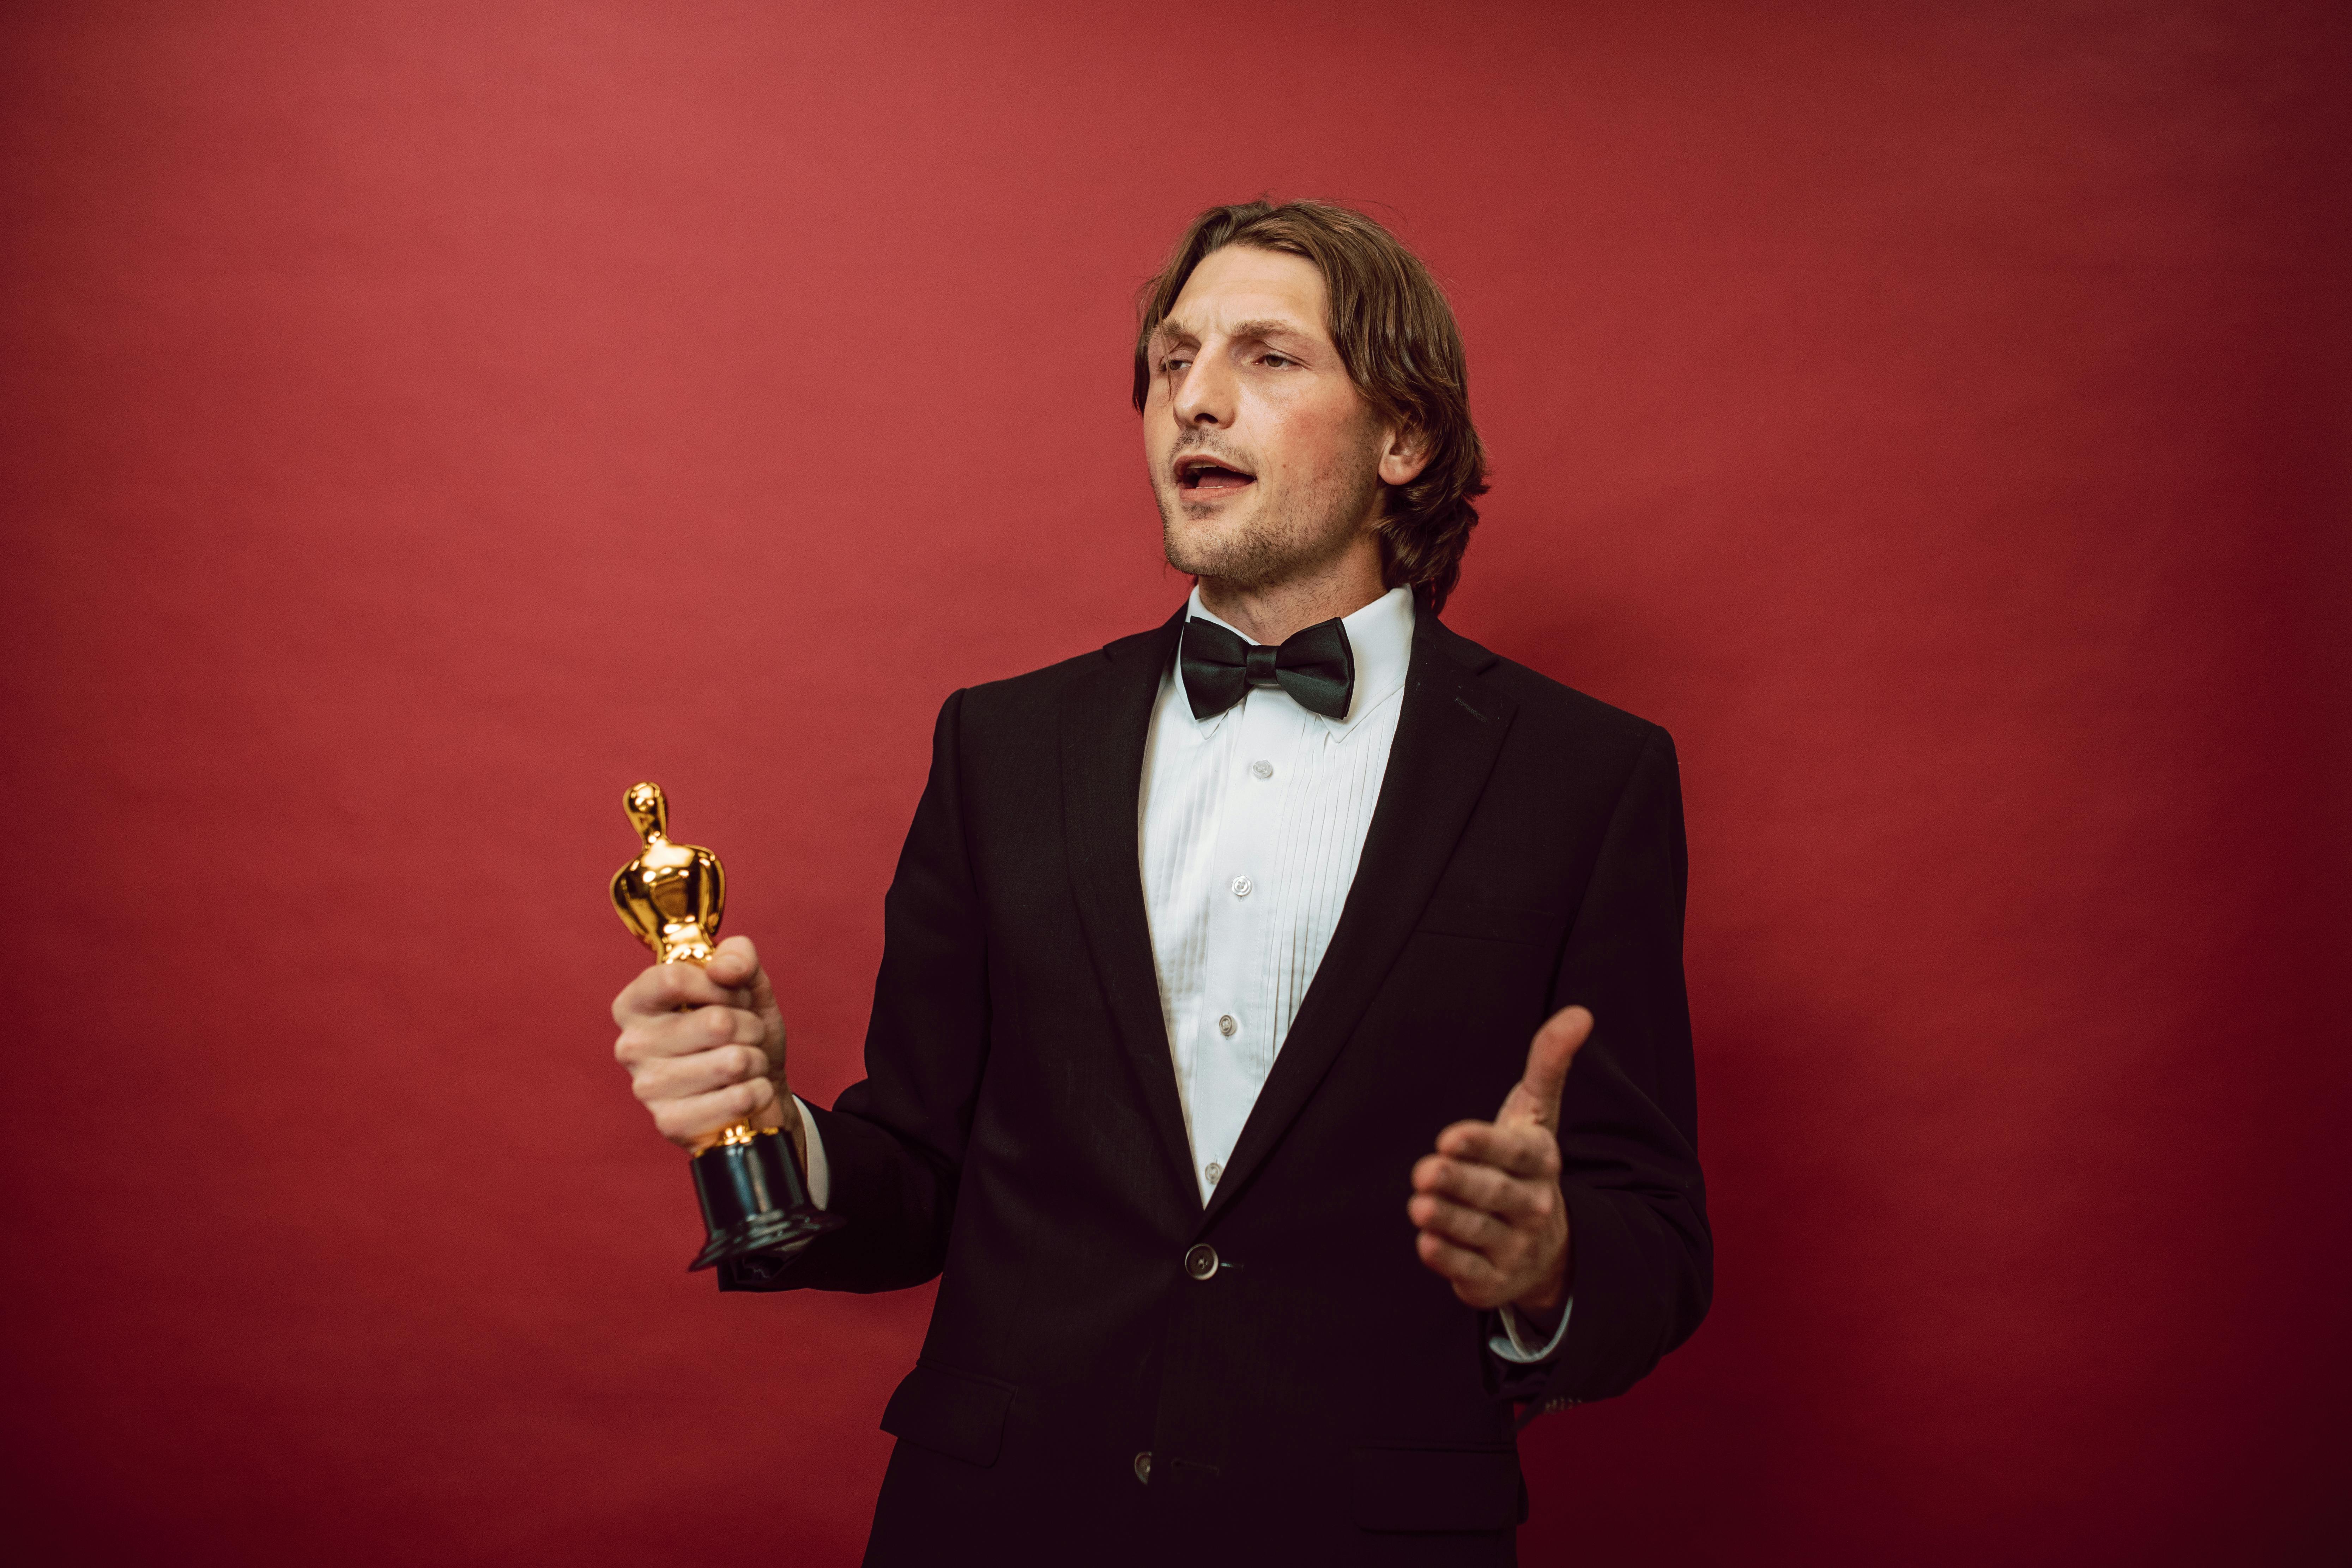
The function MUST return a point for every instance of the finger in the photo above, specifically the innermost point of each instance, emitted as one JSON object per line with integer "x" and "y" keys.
{"x": 684, "y": 1034}
{"x": 666, "y": 988}
{"x": 1474, "y": 1279}
{"x": 694, "y": 1118}
{"x": 1458, "y": 1223}
{"x": 683, "y": 1078}
{"x": 1507, "y": 1197}
{"x": 1522, "y": 1149}
{"x": 1536, "y": 1096}
{"x": 735, "y": 961}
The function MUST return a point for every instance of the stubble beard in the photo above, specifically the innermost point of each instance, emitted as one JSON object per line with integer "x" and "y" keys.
{"x": 1285, "y": 538}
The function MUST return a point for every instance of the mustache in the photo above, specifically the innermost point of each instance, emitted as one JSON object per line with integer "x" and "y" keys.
{"x": 1195, "y": 442}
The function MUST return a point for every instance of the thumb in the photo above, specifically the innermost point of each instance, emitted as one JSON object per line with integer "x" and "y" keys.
{"x": 1536, "y": 1096}
{"x": 736, "y": 965}
{"x": 735, "y": 961}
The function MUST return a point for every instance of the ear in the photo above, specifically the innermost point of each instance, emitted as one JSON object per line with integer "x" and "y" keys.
{"x": 1403, "y": 456}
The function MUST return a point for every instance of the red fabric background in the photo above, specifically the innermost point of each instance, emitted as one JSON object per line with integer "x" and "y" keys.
{"x": 421, "y": 421}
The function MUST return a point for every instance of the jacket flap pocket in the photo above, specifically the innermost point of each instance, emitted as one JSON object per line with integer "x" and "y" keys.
{"x": 951, "y": 1412}
{"x": 1436, "y": 1489}
{"x": 1491, "y": 922}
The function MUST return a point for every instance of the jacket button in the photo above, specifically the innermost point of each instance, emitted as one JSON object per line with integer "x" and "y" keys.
{"x": 1202, "y": 1261}
{"x": 1143, "y": 1467}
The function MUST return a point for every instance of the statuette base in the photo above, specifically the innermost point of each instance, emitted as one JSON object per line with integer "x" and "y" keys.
{"x": 753, "y": 1200}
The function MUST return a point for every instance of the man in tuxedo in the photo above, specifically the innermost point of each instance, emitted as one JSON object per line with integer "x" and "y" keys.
{"x": 1220, "y": 1059}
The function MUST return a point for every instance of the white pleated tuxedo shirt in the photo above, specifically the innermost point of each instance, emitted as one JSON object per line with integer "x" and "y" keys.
{"x": 1250, "y": 824}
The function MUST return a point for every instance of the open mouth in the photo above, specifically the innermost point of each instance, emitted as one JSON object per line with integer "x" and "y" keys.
{"x": 1208, "y": 477}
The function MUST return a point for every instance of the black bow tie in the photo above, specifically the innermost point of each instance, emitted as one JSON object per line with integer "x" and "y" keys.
{"x": 1317, "y": 668}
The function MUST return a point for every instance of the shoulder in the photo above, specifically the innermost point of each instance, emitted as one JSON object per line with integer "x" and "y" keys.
{"x": 1038, "y": 695}
{"x": 1547, "y": 711}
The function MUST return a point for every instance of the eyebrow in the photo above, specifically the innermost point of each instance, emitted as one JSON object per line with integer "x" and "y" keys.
{"x": 1171, "y": 330}
{"x": 1269, "y": 327}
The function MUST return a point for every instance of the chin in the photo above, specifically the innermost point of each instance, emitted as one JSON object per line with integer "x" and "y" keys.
{"x": 1206, "y": 555}
{"x": 1198, "y": 538}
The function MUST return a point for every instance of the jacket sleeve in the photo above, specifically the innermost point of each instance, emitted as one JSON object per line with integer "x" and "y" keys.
{"x": 894, "y": 1141}
{"x": 1644, "y": 1258}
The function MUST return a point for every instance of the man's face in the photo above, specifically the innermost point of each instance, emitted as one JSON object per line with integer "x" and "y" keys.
{"x": 1264, "y": 456}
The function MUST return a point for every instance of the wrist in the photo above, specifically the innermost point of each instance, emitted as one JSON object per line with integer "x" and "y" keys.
{"x": 1543, "y": 1303}
{"x": 1550, "y": 1292}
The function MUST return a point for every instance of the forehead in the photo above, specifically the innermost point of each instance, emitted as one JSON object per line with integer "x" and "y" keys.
{"x": 1241, "y": 283}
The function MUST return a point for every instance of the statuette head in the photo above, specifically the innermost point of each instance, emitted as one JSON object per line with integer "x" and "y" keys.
{"x": 648, "y": 811}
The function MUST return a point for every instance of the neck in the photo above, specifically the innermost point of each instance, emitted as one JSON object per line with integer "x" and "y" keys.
{"x": 1273, "y": 612}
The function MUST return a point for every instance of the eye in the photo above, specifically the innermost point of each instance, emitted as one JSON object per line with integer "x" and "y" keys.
{"x": 1277, "y": 360}
{"x": 1174, "y": 365}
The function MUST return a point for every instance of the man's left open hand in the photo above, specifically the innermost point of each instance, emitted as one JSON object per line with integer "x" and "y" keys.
{"x": 1488, "y": 1203}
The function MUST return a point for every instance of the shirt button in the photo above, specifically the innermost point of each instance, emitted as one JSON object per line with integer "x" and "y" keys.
{"x": 1200, "y": 1263}
{"x": 1242, "y": 885}
{"x": 1214, "y": 1172}
{"x": 1143, "y": 1467}
{"x": 1225, "y": 1025}
{"x": 1261, "y": 769}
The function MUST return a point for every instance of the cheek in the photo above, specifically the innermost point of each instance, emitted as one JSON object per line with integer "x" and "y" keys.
{"x": 1159, "y": 433}
{"x": 1306, "y": 439}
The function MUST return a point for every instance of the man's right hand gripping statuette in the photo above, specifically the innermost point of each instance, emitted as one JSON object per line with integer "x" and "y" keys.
{"x": 672, "y": 897}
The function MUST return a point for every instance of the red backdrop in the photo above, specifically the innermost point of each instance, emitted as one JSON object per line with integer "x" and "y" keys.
{"x": 421, "y": 421}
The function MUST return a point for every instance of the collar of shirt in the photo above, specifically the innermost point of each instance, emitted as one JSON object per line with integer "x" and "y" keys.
{"x": 1380, "y": 635}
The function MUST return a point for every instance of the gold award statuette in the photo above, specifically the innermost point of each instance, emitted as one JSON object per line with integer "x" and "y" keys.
{"x": 672, "y": 897}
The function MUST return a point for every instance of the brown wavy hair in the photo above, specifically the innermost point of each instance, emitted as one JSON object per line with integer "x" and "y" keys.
{"x": 1396, "y": 335}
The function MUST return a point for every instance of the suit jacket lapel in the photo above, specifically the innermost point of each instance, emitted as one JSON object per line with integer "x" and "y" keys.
{"x": 1105, "y": 722}
{"x": 1448, "y": 735}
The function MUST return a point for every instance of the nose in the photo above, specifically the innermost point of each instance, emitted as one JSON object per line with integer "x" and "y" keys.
{"x": 1203, "y": 396}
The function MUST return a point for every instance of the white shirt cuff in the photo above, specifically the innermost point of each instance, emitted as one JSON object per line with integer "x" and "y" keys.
{"x": 820, "y": 1174}
{"x": 1512, "y": 1345}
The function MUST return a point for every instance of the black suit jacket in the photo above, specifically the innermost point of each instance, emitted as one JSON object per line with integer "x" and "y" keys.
{"x": 1320, "y": 1396}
